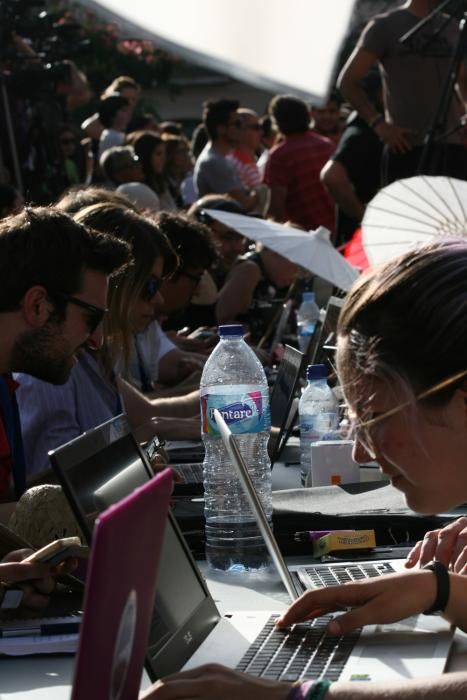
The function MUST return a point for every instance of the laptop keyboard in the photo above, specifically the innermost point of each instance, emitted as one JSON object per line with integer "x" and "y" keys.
{"x": 304, "y": 651}
{"x": 335, "y": 574}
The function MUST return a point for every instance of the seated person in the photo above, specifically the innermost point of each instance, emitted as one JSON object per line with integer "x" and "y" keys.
{"x": 253, "y": 288}
{"x": 228, "y": 243}
{"x": 36, "y": 579}
{"x": 50, "y": 268}
{"x": 53, "y": 415}
{"x": 408, "y": 405}
{"x": 192, "y": 243}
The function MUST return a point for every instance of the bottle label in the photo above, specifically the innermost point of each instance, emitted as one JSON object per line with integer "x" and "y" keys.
{"x": 244, "y": 407}
{"x": 315, "y": 427}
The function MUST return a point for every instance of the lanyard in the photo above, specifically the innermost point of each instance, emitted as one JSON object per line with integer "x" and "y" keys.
{"x": 10, "y": 413}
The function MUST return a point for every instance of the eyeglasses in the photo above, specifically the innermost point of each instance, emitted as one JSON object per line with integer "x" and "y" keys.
{"x": 196, "y": 279}
{"x": 151, "y": 287}
{"x": 95, "y": 314}
{"x": 367, "y": 432}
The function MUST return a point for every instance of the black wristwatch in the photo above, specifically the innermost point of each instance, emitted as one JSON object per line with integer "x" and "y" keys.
{"x": 442, "y": 587}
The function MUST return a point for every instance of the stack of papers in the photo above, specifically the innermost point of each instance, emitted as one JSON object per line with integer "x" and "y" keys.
{"x": 40, "y": 636}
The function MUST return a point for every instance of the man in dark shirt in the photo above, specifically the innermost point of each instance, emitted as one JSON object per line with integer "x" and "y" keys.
{"x": 53, "y": 288}
{"x": 414, "y": 75}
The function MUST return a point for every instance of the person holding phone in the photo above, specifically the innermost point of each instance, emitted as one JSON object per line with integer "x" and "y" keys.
{"x": 402, "y": 364}
{"x": 28, "y": 581}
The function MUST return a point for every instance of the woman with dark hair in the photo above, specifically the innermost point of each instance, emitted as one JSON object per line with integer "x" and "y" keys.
{"x": 178, "y": 165}
{"x": 401, "y": 360}
{"x": 151, "y": 151}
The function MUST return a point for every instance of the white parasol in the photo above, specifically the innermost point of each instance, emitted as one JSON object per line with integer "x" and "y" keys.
{"x": 312, "y": 250}
{"x": 410, "y": 212}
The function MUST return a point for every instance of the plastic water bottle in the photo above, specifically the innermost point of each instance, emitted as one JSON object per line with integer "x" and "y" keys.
{"x": 318, "y": 412}
{"x": 233, "y": 381}
{"x": 307, "y": 317}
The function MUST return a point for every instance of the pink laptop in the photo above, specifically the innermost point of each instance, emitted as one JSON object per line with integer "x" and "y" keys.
{"x": 120, "y": 591}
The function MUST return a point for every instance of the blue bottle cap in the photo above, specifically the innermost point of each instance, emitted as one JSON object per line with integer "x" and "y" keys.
{"x": 308, "y": 296}
{"x": 228, "y": 331}
{"x": 316, "y": 372}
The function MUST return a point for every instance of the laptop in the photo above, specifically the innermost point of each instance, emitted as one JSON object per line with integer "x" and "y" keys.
{"x": 320, "y": 350}
{"x": 119, "y": 593}
{"x": 283, "y": 393}
{"x": 325, "y": 337}
{"x": 186, "y": 628}
{"x": 298, "y": 578}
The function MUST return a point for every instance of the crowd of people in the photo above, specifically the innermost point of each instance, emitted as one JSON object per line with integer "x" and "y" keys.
{"x": 110, "y": 297}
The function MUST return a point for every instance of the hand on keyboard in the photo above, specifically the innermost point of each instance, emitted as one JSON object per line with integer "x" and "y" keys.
{"x": 377, "y": 601}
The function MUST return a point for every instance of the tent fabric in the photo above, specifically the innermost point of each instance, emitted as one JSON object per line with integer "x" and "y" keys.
{"x": 292, "y": 49}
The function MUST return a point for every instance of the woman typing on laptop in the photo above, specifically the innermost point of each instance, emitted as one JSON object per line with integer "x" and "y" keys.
{"x": 401, "y": 357}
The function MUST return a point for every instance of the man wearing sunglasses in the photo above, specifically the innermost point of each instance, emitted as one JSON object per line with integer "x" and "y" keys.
{"x": 53, "y": 289}
{"x": 214, "y": 171}
{"x": 244, "y": 156}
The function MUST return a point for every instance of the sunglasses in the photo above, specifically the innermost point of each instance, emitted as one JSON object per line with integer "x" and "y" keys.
{"x": 151, "y": 287}
{"x": 94, "y": 314}
{"x": 368, "y": 432}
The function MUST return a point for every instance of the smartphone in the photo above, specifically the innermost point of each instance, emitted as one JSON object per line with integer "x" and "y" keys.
{"x": 152, "y": 447}
{"x": 57, "y": 551}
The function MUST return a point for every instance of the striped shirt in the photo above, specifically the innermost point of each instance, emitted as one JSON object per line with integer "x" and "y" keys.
{"x": 295, "y": 164}
{"x": 247, "y": 169}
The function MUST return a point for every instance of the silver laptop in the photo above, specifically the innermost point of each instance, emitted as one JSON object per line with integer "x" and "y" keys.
{"x": 414, "y": 647}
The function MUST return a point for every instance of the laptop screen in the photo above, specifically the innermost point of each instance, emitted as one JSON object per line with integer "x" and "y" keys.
{"x": 282, "y": 397}
{"x": 98, "y": 469}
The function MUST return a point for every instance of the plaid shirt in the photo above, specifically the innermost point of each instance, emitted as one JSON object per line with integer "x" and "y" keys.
{"x": 296, "y": 164}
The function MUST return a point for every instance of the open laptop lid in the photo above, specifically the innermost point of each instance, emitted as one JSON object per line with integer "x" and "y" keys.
{"x": 255, "y": 505}
{"x": 282, "y": 396}
{"x": 119, "y": 594}
{"x": 326, "y": 334}
{"x": 101, "y": 467}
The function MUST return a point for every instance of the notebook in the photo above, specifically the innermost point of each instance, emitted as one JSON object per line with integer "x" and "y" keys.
{"x": 284, "y": 390}
{"x": 119, "y": 593}
{"x": 186, "y": 628}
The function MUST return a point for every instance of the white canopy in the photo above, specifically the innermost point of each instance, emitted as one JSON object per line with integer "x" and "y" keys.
{"x": 280, "y": 46}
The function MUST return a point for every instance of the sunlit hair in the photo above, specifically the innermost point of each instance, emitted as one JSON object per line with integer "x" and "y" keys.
{"x": 147, "y": 243}
{"x": 405, "y": 323}
{"x": 119, "y": 84}
{"x": 82, "y": 196}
